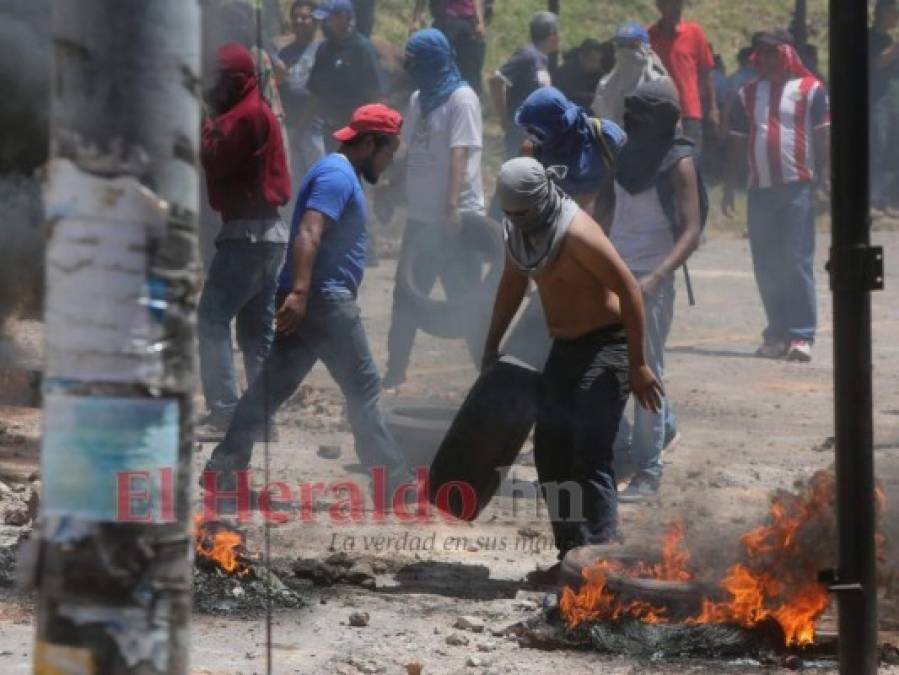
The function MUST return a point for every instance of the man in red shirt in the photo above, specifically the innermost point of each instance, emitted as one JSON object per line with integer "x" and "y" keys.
{"x": 685, "y": 51}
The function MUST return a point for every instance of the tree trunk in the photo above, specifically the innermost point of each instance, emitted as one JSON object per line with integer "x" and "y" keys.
{"x": 113, "y": 567}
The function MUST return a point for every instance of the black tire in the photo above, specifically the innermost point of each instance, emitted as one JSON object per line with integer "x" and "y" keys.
{"x": 485, "y": 437}
{"x": 418, "y": 427}
{"x": 482, "y": 237}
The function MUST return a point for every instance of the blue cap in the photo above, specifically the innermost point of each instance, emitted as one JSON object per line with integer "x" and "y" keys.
{"x": 632, "y": 30}
{"x": 329, "y": 7}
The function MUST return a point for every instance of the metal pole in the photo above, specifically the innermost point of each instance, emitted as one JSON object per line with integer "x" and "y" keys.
{"x": 114, "y": 550}
{"x": 856, "y": 269}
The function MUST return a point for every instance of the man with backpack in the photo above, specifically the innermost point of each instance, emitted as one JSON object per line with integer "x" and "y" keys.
{"x": 560, "y": 133}
{"x": 659, "y": 202}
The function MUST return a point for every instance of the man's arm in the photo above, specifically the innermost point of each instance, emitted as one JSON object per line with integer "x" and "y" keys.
{"x": 821, "y": 140}
{"x": 305, "y": 251}
{"x": 498, "y": 84}
{"x": 417, "y": 22}
{"x": 512, "y": 287}
{"x": 458, "y": 165}
{"x": 887, "y": 56}
{"x": 712, "y": 114}
{"x": 223, "y": 155}
{"x": 735, "y": 152}
{"x": 686, "y": 199}
{"x": 604, "y": 207}
{"x": 594, "y": 252}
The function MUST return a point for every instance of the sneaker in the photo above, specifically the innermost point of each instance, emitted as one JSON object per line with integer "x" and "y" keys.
{"x": 775, "y": 349}
{"x": 800, "y": 351}
{"x": 641, "y": 489}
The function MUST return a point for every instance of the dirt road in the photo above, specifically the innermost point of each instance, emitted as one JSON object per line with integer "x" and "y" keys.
{"x": 750, "y": 427}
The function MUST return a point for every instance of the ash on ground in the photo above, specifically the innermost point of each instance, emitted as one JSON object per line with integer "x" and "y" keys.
{"x": 216, "y": 592}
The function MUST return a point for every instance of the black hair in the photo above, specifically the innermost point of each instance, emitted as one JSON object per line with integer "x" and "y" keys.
{"x": 381, "y": 140}
{"x": 296, "y": 4}
{"x": 543, "y": 25}
{"x": 744, "y": 55}
{"x": 591, "y": 45}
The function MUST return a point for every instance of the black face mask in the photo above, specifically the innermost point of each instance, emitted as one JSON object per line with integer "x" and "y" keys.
{"x": 367, "y": 170}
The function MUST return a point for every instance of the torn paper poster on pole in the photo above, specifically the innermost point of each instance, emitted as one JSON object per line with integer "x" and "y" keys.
{"x": 104, "y": 313}
{"x": 109, "y": 459}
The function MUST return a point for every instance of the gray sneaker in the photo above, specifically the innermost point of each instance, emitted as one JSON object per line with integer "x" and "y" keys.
{"x": 640, "y": 489}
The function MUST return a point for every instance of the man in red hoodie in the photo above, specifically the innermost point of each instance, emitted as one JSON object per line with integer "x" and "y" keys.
{"x": 247, "y": 180}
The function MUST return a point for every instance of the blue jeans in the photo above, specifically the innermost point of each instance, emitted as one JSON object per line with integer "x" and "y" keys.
{"x": 241, "y": 283}
{"x": 333, "y": 332}
{"x": 645, "y": 439}
{"x": 782, "y": 239}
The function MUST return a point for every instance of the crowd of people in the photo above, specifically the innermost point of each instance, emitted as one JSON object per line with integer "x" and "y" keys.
{"x": 602, "y": 200}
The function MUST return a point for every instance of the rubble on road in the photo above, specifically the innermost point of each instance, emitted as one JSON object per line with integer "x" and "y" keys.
{"x": 339, "y": 568}
{"x": 359, "y": 619}
{"x": 11, "y": 538}
{"x": 470, "y": 623}
{"x": 216, "y": 592}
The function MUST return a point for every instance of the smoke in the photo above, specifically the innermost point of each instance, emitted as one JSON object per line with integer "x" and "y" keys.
{"x": 24, "y": 118}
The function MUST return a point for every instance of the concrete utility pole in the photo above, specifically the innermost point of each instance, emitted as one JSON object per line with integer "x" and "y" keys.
{"x": 856, "y": 269}
{"x": 113, "y": 554}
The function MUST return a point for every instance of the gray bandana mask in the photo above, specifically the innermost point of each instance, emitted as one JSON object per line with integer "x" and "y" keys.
{"x": 540, "y": 212}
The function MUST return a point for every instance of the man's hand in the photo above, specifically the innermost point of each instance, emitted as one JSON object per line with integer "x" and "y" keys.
{"x": 649, "y": 283}
{"x": 646, "y": 388}
{"x": 291, "y": 315}
{"x": 728, "y": 201}
{"x": 489, "y": 360}
{"x": 480, "y": 30}
{"x": 714, "y": 120}
{"x": 453, "y": 219}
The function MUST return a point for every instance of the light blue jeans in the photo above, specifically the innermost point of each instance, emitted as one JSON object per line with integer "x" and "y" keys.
{"x": 241, "y": 284}
{"x": 645, "y": 439}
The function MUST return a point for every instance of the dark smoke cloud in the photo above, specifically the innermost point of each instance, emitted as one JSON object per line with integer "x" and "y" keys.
{"x": 24, "y": 124}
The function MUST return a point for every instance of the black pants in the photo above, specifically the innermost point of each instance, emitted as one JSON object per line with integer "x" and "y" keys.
{"x": 430, "y": 243}
{"x": 584, "y": 389}
{"x": 470, "y": 49}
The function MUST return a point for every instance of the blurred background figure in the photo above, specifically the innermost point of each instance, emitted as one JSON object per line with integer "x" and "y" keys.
{"x": 298, "y": 57}
{"x": 884, "y": 59}
{"x": 365, "y": 16}
{"x": 582, "y": 69}
{"x": 464, "y": 24}
{"x": 525, "y": 71}
{"x": 346, "y": 73}
{"x": 635, "y": 64}
{"x": 685, "y": 51}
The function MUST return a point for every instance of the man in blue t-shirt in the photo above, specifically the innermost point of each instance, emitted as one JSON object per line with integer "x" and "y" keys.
{"x": 318, "y": 316}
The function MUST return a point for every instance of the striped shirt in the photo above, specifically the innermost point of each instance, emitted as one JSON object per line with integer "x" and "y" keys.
{"x": 778, "y": 120}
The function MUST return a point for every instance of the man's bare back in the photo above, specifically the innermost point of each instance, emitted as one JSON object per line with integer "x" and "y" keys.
{"x": 574, "y": 300}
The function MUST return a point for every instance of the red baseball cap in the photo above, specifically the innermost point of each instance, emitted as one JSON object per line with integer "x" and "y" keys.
{"x": 375, "y": 117}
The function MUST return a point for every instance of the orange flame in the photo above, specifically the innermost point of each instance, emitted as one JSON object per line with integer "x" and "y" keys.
{"x": 777, "y": 580}
{"x": 595, "y": 602}
{"x": 220, "y": 546}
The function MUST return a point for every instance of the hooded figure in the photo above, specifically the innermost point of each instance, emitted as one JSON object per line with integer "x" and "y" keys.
{"x": 635, "y": 63}
{"x": 430, "y": 62}
{"x": 789, "y": 64}
{"x": 242, "y": 148}
{"x": 566, "y": 136}
{"x": 537, "y": 212}
{"x": 655, "y": 143}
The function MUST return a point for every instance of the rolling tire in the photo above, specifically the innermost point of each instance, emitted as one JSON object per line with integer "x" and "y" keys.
{"x": 481, "y": 237}
{"x": 485, "y": 438}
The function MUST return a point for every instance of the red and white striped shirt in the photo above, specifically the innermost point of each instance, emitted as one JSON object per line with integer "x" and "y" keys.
{"x": 779, "y": 119}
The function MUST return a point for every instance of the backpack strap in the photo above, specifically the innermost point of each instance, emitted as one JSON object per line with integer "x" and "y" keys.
{"x": 607, "y": 154}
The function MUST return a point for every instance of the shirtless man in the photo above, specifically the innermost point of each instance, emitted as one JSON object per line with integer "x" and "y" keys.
{"x": 594, "y": 311}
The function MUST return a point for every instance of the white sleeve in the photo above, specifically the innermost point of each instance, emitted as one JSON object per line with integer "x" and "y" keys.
{"x": 466, "y": 124}
{"x": 410, "y": 120}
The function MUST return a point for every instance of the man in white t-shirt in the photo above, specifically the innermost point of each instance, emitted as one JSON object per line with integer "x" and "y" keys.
{"x": 443, "y": 136}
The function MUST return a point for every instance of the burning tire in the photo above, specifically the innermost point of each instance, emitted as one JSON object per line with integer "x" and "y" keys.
{"x": 480, "y": 238}
{"x": 681, "y": 599}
